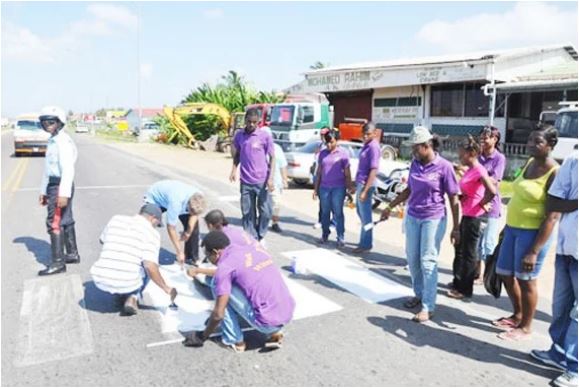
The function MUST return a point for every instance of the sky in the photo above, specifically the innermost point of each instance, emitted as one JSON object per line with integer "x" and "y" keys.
{"x": 84, "y": 56}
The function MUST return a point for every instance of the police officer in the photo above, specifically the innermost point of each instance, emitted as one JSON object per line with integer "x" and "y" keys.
{"x": 57, "y": 189}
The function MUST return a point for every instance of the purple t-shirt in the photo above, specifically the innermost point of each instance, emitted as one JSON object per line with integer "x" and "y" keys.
{"x": 495, "y": 165}
{"x": 237, "y": 236}
{"x": 369, "y": 158}
{"x": 428, "y": 184}
{"x": 253, "y": 150}
{"x": 252, "y": 270}
{"x": 333, "y": 167}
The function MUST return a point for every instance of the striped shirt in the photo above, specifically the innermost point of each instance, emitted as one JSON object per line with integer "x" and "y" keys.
{"x": 127, "y": 242}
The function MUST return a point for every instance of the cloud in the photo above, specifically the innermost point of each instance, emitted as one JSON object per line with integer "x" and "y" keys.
{"x": 146, "y": 70}
{"x": 20, "y": 43}
{"x": 526, "y": 24}
{"x": 213, "y": 13}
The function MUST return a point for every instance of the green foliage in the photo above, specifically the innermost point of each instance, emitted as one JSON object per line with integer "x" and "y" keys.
{"x": 319, "y": 65}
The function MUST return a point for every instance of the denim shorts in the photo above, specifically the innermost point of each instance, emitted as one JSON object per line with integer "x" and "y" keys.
{"x": 515, "y": 245}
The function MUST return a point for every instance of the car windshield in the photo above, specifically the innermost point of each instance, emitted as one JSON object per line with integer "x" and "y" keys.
{"x": 30, "y": 125}
{"x": 282, "y": 115}
{"x": 310, "y": 148}
{"x": 566, "y": 124}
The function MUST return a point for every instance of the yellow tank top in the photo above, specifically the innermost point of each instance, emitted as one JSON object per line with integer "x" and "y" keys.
{"x": 526, "y": 209}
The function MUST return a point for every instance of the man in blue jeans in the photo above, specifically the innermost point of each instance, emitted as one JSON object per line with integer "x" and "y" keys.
{"x": 368, "y": 164}
{"x": 246, "y": 284}
{"x": 563, "y": 330}
{"x": 254, "y": 154}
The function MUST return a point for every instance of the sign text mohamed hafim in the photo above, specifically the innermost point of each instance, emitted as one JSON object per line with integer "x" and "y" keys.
{"x": 337, "y": 81}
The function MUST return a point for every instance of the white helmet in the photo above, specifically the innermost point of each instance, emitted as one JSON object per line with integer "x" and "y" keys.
{"x": 53, "y": 112}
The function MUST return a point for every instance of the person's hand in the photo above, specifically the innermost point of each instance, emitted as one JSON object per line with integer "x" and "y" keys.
{"x": 455, "y": 237}
{"x": 43, "y": 200}
{"x": 352, "y": 189}
{"x": 529, "y": 262}
{"x": 233, "y": 176}
{"x": 315, "y": 195}
{"x": 195, "y": 340}
{"x": 193, "y": 271}
{"x": 181, "y": 258}
{"x": 459, "y": 170}
{"x": 385, "y": 214}
{"x": 486, "y": 207}
{"x": 363, "y": 196}
{"x": 62, "y": 202}
{"x": 270, "y": 185}
{"x": 185, "y": 235}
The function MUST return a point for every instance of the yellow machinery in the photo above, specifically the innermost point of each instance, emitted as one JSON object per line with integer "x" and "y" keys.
{"x": 174, "y": 115}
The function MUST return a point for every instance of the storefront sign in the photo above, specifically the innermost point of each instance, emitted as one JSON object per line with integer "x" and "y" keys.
{"x": 395, "y": 113}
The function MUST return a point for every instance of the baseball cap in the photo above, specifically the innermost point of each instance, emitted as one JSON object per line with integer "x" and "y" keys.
{"x": 153, "y": 210}
{"x": 418, "y": 135}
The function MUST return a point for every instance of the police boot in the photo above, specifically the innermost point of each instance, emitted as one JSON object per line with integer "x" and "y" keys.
{"x": 57, "y": 265}
{"x": 71, "y": 256}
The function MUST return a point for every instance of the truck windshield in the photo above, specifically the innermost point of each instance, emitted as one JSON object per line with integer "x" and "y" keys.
{"x": 30, "y": 125}
{"x": 282, "y": 115}
{"x": 566, "y": 124}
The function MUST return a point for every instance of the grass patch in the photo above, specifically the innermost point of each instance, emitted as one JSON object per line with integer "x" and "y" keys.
{"x": 116, "y": 136}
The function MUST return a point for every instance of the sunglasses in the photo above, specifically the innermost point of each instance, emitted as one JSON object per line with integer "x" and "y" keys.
{"x": 48, "y": 122}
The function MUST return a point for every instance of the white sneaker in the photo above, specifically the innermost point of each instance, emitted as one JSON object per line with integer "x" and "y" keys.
{"x": 567, "y": 379}
{"x": 262, "y": 243}
{"x": 317, "y": 225}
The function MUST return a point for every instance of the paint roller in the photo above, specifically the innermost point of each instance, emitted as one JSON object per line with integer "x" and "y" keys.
{"x": 371, "y": 225}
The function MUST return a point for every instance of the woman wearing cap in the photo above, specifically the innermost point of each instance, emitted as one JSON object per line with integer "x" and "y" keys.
{"x": 477, "y": 192}
{"x": 494, "y": 162}
{"x": 431, "y": 177}
{"x": 527, "y": 235}
{"x": 332, "y": 180}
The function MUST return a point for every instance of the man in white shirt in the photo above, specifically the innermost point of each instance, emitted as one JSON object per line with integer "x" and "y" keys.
{"x": 57, "y": 190}
{"x": 563, "y": 330}
{"x": 130, "y": 256}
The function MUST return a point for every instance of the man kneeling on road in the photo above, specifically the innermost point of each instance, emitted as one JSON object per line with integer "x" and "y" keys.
{"x": 184, "y": 203}
{"x": 130, "y": 256}
{"x": 246, "y": 284}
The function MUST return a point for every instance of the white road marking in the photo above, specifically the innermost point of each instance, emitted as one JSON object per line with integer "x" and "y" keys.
{"x": 93, "y": 187}
{"x": 229, "y": 198}
{"x": 54, "y": 324}
{"x": 349, "y": 275}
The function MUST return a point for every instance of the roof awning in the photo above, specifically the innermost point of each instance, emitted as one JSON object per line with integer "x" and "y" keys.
{"x": 537, "y": 85}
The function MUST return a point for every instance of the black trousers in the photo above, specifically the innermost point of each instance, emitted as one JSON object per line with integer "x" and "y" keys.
{"x": 57, "y": 217}
{"x": 465, "y": 263}
{"x": 192, "y": 244}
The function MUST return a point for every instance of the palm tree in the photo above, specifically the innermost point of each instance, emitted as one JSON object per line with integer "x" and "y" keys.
{"x": 319, "y": 65}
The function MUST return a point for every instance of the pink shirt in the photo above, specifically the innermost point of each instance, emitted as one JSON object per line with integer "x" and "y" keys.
{"x": 473, "y": 191}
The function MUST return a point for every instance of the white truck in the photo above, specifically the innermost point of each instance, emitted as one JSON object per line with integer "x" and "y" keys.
{"x": 29, "y": 137}
{"x": 566, "y": 124}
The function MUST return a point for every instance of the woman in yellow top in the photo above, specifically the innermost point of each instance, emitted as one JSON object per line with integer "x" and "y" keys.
{"x": 527, "y": 235}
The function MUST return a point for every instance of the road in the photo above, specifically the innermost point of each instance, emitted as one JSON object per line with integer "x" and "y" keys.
{"x": 62, "y": 331}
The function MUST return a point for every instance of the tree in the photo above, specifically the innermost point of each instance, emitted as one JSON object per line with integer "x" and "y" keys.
{"x": 319, "y": 65}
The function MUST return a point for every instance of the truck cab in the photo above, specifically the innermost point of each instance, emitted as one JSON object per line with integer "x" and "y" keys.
{"x": 566, "y": 124}
{"x": 299, "y": 119}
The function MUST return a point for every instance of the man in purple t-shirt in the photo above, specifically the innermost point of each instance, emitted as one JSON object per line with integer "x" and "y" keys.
{"x": 246, "y": 284}
{"x": 252, "y": 148}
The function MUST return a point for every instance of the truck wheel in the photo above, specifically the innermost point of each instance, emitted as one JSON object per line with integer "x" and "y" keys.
{"x": 389, "y": 152}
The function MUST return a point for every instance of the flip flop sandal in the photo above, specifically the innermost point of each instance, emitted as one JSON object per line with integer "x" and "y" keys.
{"x": 422, "y": 316}
{"x": 412, "y": 303}
{"x": 506, "y": 323}
{"x": 514, "y": 335}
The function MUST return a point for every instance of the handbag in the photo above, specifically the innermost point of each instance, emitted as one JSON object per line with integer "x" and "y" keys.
{"x": 492, "y": 281}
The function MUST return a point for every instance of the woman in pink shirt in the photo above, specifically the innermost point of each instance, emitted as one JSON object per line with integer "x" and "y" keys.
{"x": 477, "y": 191}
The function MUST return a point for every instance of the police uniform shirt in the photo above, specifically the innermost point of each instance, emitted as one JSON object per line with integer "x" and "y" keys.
{"x": 59, "y": 162}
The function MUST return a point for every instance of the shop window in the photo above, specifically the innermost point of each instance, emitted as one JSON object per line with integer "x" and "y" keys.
{"x": 476, "y": 103}
{"x": 447, "y": 100}
{"x": 397, "y": 101}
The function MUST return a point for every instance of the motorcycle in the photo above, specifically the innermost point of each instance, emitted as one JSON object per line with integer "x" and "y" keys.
{"x": 389, "y": 186}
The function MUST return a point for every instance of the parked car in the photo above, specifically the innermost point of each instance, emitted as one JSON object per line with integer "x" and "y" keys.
{"x": 303, "y": 162}
{"x": 81, "y": 128}
{"x": 29, "y": 137}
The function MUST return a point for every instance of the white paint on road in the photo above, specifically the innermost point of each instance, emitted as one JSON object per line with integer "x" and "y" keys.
{"x": 54, "y": 323}
{"x": 349, "y": 275}
{"x": 229, "y": 198}
{"x": 108, "y": 187}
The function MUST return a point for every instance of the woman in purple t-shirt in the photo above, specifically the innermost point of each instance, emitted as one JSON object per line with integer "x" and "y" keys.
{"x": 332, "y": 179}
{"x": 431, "y": 178}
{"x": 477, "y": 192}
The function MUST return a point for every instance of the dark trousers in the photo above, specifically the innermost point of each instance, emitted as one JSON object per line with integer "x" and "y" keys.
{"x": 192, "y": 244}
{"x": 254, "y": 199}
{"x": 57, "y": 218}
{"x": 465, "y": 262}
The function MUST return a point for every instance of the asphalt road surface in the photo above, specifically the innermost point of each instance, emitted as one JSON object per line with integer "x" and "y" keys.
{"x": 62, "y": 331}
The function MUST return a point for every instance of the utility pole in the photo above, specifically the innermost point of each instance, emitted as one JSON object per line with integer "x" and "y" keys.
{"x": 140, "y": 110}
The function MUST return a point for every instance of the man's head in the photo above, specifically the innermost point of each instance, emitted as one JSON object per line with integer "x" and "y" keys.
{"x": 52, "y": 119}
{"x": 251, "y": 120}
{"x": 196, "y": 204}
{"x": 368, "y": 132}
{"x": 215, "y": 242}
{"x": 152, "y": 213}
{"x": 215, "y": 220}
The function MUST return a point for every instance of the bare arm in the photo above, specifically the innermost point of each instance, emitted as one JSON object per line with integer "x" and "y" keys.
{"x": 348, "y": 175}
{"x": 318, "y": 181}
{"x": 556, "y": 204}
{"x": 203, "y": 271}
{"x": 233, "y": 173}
{"x": 217, "y": 315}
{"x": 370, "y": 181}
{"x": 401, "y": 198}
{"x": 490, "y": 190}
{"x": 190, "y": 227}
{"x": 153, "y": 272}
{"x": 455, "y": 207}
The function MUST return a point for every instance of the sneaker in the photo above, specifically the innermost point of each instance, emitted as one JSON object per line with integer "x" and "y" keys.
{"x": 262, "y": 243}
{"x": 567, "y": 379}
{"x": 130, "y": 307}
{"x": 545, "y": 358}
{"x": 275, "y": 228}
{"x": 322, "y": 241}
{"x": 317, "y": 225}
